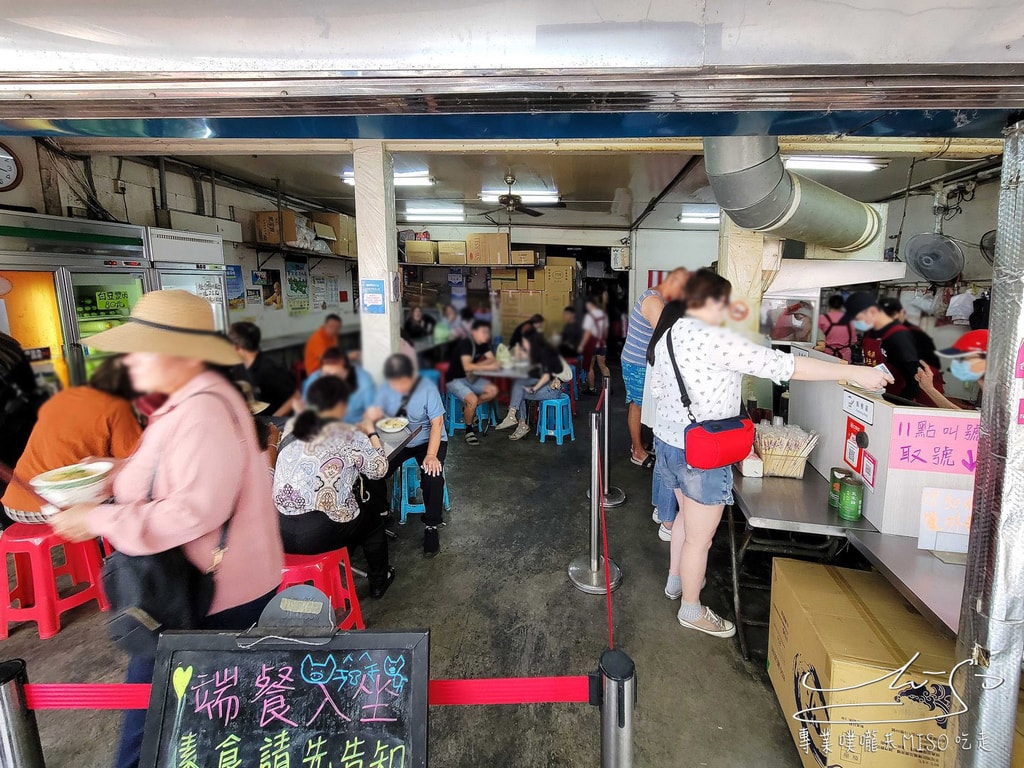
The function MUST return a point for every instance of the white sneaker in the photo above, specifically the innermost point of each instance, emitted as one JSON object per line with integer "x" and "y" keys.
{"x": 654, "y": 516}
{"x": 710, "y": 623}
{"x": 521, "y": 431}
{"x": 664, "y": 532}
{"x": 509, "y": 422}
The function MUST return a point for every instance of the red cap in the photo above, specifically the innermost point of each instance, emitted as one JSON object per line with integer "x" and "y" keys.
{"x": 970, "y": 343}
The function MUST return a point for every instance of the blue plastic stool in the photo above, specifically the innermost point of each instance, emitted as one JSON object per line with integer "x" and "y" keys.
{"x": 555, "y": 419}
{"x": 434, "y": 376}
{"x": 406, "y": 488}
{"x": 486, "y": 415}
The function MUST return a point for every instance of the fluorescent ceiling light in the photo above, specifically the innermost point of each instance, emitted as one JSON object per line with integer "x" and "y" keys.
{"x": 425, "y": 210}
{"x": 535, "y": 197}
{"x": 402, "y": 178}
{"x": 841, "y": 164}
{"x": 694, "y": 219}
{"x": 438, "y": 218}
{"x": 699, "y": 213}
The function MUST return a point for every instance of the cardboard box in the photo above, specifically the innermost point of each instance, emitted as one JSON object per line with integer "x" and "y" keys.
{"x": 487, "y": 249}
{"x": 560, "y": 279}
{"x": 839, "y": 629}
{"x": 531, "y": 279}
{"x": 504, "y": 279}
{"x": 531, "y": 303}
{"x": 344, "y": 230}
{"x": 525, "y": 258}
{"x": 451, "y": 252}
{"x": 420, "y": 252}
{"x": 268, "y": 229}
{"x": 561, "y": 261}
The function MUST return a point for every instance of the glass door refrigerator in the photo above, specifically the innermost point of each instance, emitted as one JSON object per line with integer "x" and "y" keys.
{"x": 64, "y": 280}
{"x": 193, "y": 262}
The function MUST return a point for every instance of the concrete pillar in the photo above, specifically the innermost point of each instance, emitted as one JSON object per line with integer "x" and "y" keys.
{"x": 378, "y": 253}
{"x": 991, "y": 635}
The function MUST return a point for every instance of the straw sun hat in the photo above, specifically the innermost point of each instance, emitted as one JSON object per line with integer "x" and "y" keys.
{"x": 170, "y": 323}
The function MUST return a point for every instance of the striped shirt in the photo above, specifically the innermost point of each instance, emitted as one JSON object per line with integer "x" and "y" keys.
{"x": 640, "y": 331}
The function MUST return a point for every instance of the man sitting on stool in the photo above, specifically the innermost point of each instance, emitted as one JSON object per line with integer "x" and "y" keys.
{"x": 469, "y": 355}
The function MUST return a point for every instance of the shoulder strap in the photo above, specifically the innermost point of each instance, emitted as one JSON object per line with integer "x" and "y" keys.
{"x": 896, "y": 328}
{"x": 683, "y": 394}
{"x": 401, "y": 412}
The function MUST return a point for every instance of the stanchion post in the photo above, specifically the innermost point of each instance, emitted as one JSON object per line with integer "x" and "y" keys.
{"x": 616, "y": 691}
{"x": 19, "y": 734}
{"x": 587, "y": 571}
{"x": 613, "y": 497}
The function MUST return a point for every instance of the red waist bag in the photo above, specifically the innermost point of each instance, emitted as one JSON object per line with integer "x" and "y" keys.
{"x": 713, "y": 443}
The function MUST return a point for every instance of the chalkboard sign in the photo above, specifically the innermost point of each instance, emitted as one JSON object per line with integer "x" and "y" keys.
{"x": 354, "y": 700}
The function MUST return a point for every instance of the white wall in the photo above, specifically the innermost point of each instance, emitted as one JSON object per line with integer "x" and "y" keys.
{"x": 668, "y": 249}
{"x": 138, "y": 206}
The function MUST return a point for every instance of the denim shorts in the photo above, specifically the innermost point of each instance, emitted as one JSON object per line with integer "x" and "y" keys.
{"x": 461, "y": 388}
{"x": 705, "y": 486}
{"x": 633, "y": 377}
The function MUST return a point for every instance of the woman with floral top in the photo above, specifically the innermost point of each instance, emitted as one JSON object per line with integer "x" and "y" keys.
{"x": 318, "y": 476}
{"x": 712, "y": 361}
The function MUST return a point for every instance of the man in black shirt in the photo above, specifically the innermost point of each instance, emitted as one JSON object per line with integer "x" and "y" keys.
{"x": 535, "y": 323}
{"x": 572, "y": 334}
{"x": 469, "y": 355}
{"x": 270, "y": 382}
{"x": 885, "y": 341}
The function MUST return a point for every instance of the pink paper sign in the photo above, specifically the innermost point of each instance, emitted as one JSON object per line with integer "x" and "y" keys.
{"x": 928, "y": 443}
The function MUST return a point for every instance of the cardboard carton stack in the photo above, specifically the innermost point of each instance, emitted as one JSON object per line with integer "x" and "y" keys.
{"x": 299, "y": 230}
{"x": 526, "y": 292}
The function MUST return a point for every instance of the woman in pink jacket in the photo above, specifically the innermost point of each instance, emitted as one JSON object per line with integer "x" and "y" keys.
{"x": 197, "y": 467}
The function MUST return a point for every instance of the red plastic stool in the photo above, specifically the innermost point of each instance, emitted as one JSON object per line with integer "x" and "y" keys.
{"x": 442, "y": 368}
{"x": 35, "y": 589}
{"x": 324, "y": 572}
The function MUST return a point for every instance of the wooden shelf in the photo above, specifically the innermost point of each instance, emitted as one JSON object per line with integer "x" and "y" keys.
{"x": 288, "y": 250}
{"x": 474, "y": 266}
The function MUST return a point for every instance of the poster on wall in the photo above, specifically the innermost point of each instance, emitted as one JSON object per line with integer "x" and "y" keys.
{"x": 372, "y": 294}
{"x": 235, "y": 287}
{"x": 296, "y": 287}
{"x": 325, "y": 292}
{"x": 253, "y": 297}
{"x": 271, "y": 286}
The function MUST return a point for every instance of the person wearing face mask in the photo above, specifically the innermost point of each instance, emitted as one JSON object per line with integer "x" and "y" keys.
{"x": 712, "y": 361}
{"x": 885, "y": 341}
{"x": 968, "y": 363}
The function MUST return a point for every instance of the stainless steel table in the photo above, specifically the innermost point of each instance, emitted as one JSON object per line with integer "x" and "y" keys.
{"x": 933, "y": 587}
{"x": 783, "y": 505}
{"x": 515, "y": 372}
{"x": 393, "y": 442}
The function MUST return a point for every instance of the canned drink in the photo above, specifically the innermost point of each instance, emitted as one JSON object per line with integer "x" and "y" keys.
{"x": 851, "y": 498}
{"x": 835, "y": 477}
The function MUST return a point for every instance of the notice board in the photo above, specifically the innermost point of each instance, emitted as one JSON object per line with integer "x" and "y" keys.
{"x": 356, "y": 699}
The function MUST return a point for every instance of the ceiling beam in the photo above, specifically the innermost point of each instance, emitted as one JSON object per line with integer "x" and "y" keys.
{"x": 953, "y": 149}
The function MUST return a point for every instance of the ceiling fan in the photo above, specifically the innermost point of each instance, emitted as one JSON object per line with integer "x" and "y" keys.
{"x": 511, "y": 203}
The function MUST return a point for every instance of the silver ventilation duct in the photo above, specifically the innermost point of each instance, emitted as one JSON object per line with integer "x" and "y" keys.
{"x": 991, "y": 632}
{"x": 752, "y": 186}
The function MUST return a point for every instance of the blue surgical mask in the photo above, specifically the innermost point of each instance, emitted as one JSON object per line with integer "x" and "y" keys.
{"x": 861, "y": 325}
{"x": 961, "y": 370}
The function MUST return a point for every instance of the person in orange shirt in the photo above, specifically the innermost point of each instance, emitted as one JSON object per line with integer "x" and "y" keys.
{"x": 325, "y": 337}
{"x": 95, "y": 420}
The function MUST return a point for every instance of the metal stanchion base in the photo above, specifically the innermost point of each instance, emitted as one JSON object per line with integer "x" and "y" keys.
{"x": 593, "y": 582}
{"x": 613, "y": 497}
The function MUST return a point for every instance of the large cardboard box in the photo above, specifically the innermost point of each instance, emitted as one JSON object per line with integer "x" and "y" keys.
{"x": 420, "y": 252}
{"x": 559, "y": 279}
{"x": 343, "y": 226}
{"x": 504, "y": 279}
{"x": 523, "y": 258}
{"x": 531, "y": 279}
{"x": 268, "y": 229}
{"x": 451, "y": 252}
{"x": 838, "y": 648}
{"x": 531, "y": 303}
{"x": 561, "y": 261}
{"x": 487, "y": 249}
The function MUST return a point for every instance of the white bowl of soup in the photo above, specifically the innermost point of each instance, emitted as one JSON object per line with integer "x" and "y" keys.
{"x": 86, "y": 483}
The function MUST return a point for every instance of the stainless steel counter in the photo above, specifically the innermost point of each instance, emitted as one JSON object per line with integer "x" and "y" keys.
{"x": 787, "y": 504}
{"x": 933, "y": 587}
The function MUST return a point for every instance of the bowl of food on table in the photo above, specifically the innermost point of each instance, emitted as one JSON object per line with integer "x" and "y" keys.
{"x": 392, "y": 424}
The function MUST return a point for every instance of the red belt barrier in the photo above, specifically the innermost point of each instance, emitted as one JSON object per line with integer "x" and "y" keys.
{"x": 503, "y": 690}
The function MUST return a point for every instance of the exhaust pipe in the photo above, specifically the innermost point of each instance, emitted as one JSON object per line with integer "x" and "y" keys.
{"x": 757, "y": 192}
